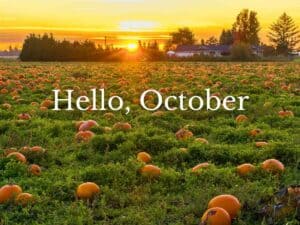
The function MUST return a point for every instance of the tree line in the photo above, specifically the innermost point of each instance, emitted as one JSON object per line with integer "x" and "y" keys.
{"x": 283, "y": 36}
{"x": 47, "y": 48}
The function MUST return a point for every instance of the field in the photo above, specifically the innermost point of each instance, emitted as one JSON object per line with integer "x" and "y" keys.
{"x": 178, "y": 196}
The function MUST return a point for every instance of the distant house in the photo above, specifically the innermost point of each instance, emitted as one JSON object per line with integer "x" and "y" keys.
{"x": 186, "y": 51}
{"x": 11, "y": 54}
{"x": 257, "y": 50}
{"x": 295, "y": 53}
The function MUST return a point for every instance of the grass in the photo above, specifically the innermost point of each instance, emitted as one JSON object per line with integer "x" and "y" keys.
{"x": 109, "y": 159}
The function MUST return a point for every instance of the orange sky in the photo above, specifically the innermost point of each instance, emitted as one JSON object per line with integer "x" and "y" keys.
{"x": 81, "y": 19}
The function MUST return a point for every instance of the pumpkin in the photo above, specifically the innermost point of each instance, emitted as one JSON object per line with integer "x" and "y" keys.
{"x": 241, "y": 118}
{"x": 37, "y": 149}
{"x": 18, "y": 156}
{"x": 150, "y": 171}
{"x": 200, "y": 166}
{"x": 87, "y": 190}
{"x": 269, "y": 84}
{"x": 202, "y": 140}
{"x": 78, "y": 124}
{"x": 158, "y": 113}
{"x": 144, "y": 157}
{"x": 122, "y": 126}
{"x": 24, "y": 116}
{"x": 215, "y": 216}
{"x": 255, "y": 132}
{"x": 260, "y": 144}
{"x": 84, "y": 135}
{"x": 184, "y": 150}
{"x": 245, "y": 169}
{"x": 86, "y": 125}
{"x": 35, "y": 169}
{"x": 107, "y": 129}
{"x": 47, "y": 103}
{"x": 285, "y": 113}
{"x": 183, "y": 134}
{"x": 109, "y": 115}
{"x": 10, "y": 150}
{"x": 24, "y": 199}
{"x": 9, "y": 192}
{"x": 228, "y": 202}
{"x": 6, "y": 106}
{"x": 273, "y": 166}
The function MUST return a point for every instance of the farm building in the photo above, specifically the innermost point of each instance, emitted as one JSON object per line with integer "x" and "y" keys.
{"x": 185, "y": 51}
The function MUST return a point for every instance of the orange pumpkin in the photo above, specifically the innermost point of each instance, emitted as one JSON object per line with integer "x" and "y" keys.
{"x": 37, "y": 149}
{"x": 183, "y": 134}
{"x": 200, "y": 166}
{"x": 6, "y": 106}
{"x": 109, "y": 116}
{"x": 144, "y": 157}
{"x": 87, "y": 190}
{"x": 78, "y": 124}
{"x": 24, "y": 116}
{"x": 122, "y": 126}
{"x": 9, "y": 192}
{"x": 245, "y": 169}
{"x": 202, "y": 140}
{"x": 84, "y": 135}
{"x": 273, "y": 166}
{"x": 255, "y": 132}
{"x": 285, "y": 113}
{"x": 260, "y": 144}
{"x": 158, "y": 113}
{"x": 35, "y": 169}
{"x": 107, "y": 129}
{"x": 24, "y": 199}
{"x": 215, "y": 216}
{"x": 10, "y": 150}
{"x": 47, "y": 103}
{"x": 241, "y": 118}
{"x": 18, "y": 156}
{"x": 150, "y": 171}
{"x": 86, "y": 125}
{"x": 228, "y": 202}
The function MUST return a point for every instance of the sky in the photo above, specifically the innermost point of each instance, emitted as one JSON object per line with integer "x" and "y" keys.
{"x": 131, "y": 19}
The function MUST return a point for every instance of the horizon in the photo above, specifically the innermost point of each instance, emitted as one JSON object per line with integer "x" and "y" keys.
{"x": 141, "y": 19}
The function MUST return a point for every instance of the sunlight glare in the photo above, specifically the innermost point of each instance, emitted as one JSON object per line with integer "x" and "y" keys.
{"x": 132, "y": 47}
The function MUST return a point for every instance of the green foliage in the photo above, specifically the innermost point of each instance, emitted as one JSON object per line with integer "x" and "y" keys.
{"x": 178, "y": 196}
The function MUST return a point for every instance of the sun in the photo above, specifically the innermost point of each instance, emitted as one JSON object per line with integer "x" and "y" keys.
{"x": 132, "y": 47}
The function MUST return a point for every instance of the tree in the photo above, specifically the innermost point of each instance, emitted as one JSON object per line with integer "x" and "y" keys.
{"x": 246, "y": 27}
{"x": 241, "y": 52}
{"x": 184, "y": 36}
{"x": 212, "y": 41}
{"x": 284, "y": 34}
{"x": 226, "y": 37}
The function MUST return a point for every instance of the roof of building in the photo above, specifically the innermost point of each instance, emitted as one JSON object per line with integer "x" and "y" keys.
{"x": 191, "y": 48}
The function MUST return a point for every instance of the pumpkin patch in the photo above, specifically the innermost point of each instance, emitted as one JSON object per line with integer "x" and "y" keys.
{"x": 149, "y": 167}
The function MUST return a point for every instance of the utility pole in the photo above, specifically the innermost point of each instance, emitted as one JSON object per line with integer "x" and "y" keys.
{"x": 105, "y": 44}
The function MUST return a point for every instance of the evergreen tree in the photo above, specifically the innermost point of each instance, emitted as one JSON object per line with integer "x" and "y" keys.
{"x": 284, "y": 34}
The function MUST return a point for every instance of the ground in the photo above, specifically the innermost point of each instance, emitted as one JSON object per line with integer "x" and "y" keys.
{"x": 178, "y": 196}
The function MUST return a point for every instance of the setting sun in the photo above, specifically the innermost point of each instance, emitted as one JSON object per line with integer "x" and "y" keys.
{"x": 132, "y": 47}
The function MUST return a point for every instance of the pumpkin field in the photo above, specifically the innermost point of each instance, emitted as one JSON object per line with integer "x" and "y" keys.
{"x": 150, "y": 168}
